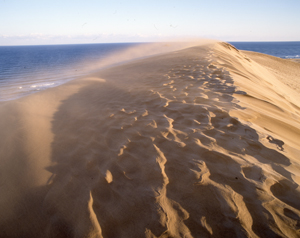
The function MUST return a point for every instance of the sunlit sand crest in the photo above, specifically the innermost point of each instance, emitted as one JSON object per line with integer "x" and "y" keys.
{"x": 198, "y": 142}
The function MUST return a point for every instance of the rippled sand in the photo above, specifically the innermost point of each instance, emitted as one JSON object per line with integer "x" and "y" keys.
{"x": 201, "y": 142}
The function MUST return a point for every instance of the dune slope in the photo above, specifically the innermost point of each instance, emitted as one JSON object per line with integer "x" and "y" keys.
{"x": 201, "y": 142}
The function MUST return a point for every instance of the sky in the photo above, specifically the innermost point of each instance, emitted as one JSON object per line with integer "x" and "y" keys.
{"x": 38, "y": 22}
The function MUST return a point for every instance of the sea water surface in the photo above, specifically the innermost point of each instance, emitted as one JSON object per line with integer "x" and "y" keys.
{"x": 28, "y": 69}
{"x": 281, "y": 49}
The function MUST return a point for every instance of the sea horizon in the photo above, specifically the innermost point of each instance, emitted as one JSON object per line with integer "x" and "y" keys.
{"x": 26, "y": 69}
{"x": 147, "y": 42}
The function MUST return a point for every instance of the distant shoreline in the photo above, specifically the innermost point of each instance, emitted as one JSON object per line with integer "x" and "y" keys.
{"x": 295, "y": 60}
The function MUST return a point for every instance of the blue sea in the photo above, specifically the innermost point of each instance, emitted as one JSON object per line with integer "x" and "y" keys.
{"x": 28, "y": 69}
{"x": 289, "y": 49}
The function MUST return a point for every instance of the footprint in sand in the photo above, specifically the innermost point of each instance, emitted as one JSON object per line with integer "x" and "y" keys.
{"x": 279, "y": 143}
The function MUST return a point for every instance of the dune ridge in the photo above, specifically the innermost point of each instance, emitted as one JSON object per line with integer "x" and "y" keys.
{"x": 200, "y": 142}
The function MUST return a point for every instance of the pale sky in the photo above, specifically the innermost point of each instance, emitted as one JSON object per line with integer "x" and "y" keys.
{"x": 33, "y": 22}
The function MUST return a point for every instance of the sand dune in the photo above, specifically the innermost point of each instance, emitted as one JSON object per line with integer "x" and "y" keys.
{"x": 201, "y": 142}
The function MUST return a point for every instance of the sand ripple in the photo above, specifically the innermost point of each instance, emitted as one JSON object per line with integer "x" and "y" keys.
{"x": 154, "y": 150}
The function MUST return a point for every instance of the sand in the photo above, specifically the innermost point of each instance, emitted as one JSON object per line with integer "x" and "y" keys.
{"x": 295, "y": 60}
{"x": 199, "y": 142}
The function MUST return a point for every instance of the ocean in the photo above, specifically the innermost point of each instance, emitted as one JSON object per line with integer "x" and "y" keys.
{"x": 289, "y": 49}
{"x": 29, "y": 69}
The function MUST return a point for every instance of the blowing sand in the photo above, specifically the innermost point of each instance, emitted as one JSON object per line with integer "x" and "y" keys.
{"x": 201, "y": 142}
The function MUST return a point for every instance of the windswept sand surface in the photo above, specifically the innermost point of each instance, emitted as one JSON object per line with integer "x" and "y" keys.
{"x": 201, "y": 142}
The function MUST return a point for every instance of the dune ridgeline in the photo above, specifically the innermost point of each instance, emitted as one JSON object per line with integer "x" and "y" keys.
{"x": 198, "y": 142}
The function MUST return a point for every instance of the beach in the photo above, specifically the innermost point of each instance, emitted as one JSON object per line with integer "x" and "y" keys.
{"x": 198, "y": 142}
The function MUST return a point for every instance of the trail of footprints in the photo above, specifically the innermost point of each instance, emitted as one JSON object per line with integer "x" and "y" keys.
{"x": 162, "y": 153}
